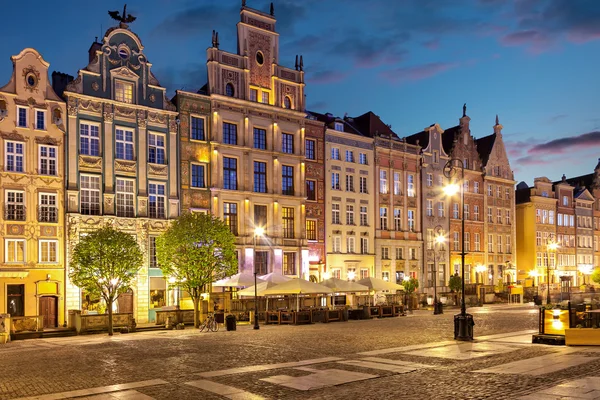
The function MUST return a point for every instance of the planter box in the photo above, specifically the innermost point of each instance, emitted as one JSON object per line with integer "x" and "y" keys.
{"x": 582, "y": 337}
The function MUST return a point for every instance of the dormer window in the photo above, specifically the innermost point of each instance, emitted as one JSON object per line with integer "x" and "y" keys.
{"x": 124, "y": 92}
{"x": 338, "y": 126}
{"x": 229, "y": 91}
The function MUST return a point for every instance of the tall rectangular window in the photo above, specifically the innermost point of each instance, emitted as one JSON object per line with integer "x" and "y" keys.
{"x": 349, "y": 156}
{"x": 397, "y": 184}
{"x": 441, "y": 209}
{"x": 349, "y": 214}
{"x": 230, "y": 217}
{"x": 499, "y": 244}
{"x": 125, "y": 194}
{"x": 311, "y": 190}
{"x": 489, "y": 190}
{"x": 335, "y": 180}
{"x": 507, "y": 217}
{"x": 410, "y": 190}
{"x": 467, "y": 241}
{"x": 397, "y": 219}
{"x": 508, "y": 247}
{"x": 311, "y": 229}
{"x": 362, "y": 158}
{"x": 411, "y": 220}
{"x": 229, "y": 133}
{"x": 336, "y": 246}
{"x": 48, "y": 251}
{"x": 490, "y": 215}
{"x": 156, "y": 148}
{"x": 89, "y": 139}
{"x": 310, "y": 149}
{"x": 335, "y": 213}
{"x": 476, "y": 213}
{"x": 429, "y": 208}
{"x": 363, "y": 184}
{"x": 466, "y": 211}
{"x": 156, "y": 200}
{"x": 230, "y": 173}
{"x": 260, "y": 216}
{"x": 364, "y": 221}
{"x": 455, "y": 211}
{"x": 22, "y": 117}
{"x": 475, "y": 187}
{"x": 288, "y": 222}
{"x": 349, "y": 183}
{"x": 287, "y": 143}
{"x": 429, "y": 180}
{"x": 383, "y": 189}
{"x": 14, "y": 207}
{"x": 498, "y": 216}
{"x": 197, "y": 128}
{"x": 289, "y": 263}
{"x": 40, "y": 120}
{"x": 47, "y": 212}
{"x": 124, "y": 144}
{"x": 14, "y": 251}
{"x": 455, "y": 242}
{"x": 260, "y": 177}
{"x": 477, "y": 242}
{"x": 335, "y": 153}
{"x": 261, "y": 262}
{"x": 89, "y": 194}
{"x": 253, "y": 95}
{"x": 350, "y": 244}
{"x": 265, "y": 97}
{"x": 152, "y": 261}
{"x": 383, "y": 218}
{"x": 490, "y": 243}
{"x": 385, "y": 253}
{"x": 48, "y": 160}
{"x": 287, "y": 180}
{"x": 124, "y": 92}
{"x": 198, "y": 180}
{"x": 260, "y": 139}
{"x": 14, "y": 156}
{"x": 364, "y": 245}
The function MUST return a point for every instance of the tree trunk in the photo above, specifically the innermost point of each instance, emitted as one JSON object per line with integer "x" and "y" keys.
{"x": 196, "y": 312}
{"x": 110, "y": 318}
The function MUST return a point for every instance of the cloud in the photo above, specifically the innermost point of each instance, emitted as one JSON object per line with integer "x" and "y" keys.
{"x": 327, "y": 76}
{"x": 418, "y": 72}
{"x": 318, "y": 106}
{"x": 556, "y": 118}
{"x": 190, "y": 77}
{"x": 197, "y": 19}
{"x": 370, "y": 51}
{"x": 560, "y": 146}
{"x": 531, "y": 161}
{"x": 432, "y": 44}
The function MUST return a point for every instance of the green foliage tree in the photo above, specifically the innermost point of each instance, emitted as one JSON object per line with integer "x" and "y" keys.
{"x": 455, "y": 285}
{"x": 595, "y": 276}
{"x": 196, "y": 250}
{"x": 104, "y": 263}
{"x": 410, "y": 285}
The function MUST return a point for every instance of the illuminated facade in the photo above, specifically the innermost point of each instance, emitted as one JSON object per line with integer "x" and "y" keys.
{"x": 32, "y": 128}
{"x": 122, "y": 144}
{"x": 258, "y": 154}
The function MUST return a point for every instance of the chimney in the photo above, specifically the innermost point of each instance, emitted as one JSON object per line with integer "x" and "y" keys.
{"x": 60, "y": 82}
{"x": 93, "y": 48}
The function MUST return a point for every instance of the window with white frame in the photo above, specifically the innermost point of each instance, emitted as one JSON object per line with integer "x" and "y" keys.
{"x": 349, "y": 183}
{"x": 337, "y": 244}
{"x": 349, "y": 214}
{"x": 124, "y": 91}
{"x": 385, "y": 275}
{"x": 383, "y": 218}
{"x": 22, "y": 117}
{"x": 413, "y": 253}
{"x": 349, "y": 156}
{"x": 489, "y": 191}
{"x": 335, "y": 180}
{"x": 507, "y": 194}
{"x": 499, "y": 191}
{"x": 476, "y": 187}
{"x": 429, "y": 180}
{"x": 40, "y": 120}
{"x": 477, "y": 242}
{"x": 455, "y": 244}
{"x": 350, "y": 244}
{"x": 362, "y": 158}
{"x": 89, "y": 139}
{"x": 89, "y": 194}
{"x": 125, "y": 193}
{"x": 156, "y": 200}
{"x": 265, "y": 98}
{"x": 490, "y": 215}
{"x": 508, "y": 247}
{"x": 47, "y": 160}
{"x": 475, "y": 213}
{"x": 455, "y": 211}
{"x": 467, "y": 241}
{"x": 47, "y": 212}
{"x": 565, "y": 201}
{"x": 466, "y": 185}
{"x": 124, "y": 144}
{"x": 363, "y": 184}
{"x": 335, "y": 153}
{"x": 14, "y": 206}
{"x": 399, "y": 253}
{"x": 338, "y": 126}
{"x": 364, "y": 221}
{"x": 466, "y": 211}
{"x": 397, "y": 184}
{"x": 48, "y": 250}
{"x": 498, "y": 216}
{"x": 364, "y": 273}
{"x": 335, "y": 213}
{"x": 364, "y": 245}
{"x": 156, "y": 148}
{"x": 385, "y": 253}
{"x": 441, "y": 209}
{"x": 14, "y": 156}
{"x": 14, "y": 250}
{"x": 336, "y": 273}
{"x": 253, "y": 94}
{"x": 429, "y": 208}
{"x": 411, "y": 220}
{"x": 410, "y": 190}
{"x": 397, "y": 219}
{"x": 550, "y": 217}
{"x": 507, "y": 217}
{"x": 499, "y": 243}
{"x": 490, "y": 243}
{"x": 383, "y": 189}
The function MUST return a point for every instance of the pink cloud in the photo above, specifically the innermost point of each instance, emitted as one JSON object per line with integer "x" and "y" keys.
{"x": 567, "y": 144}
{"x": 531, "y": 161}
{"x": 418, "y": 72}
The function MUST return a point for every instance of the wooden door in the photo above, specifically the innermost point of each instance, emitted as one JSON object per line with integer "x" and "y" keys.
{"x": 48, "y": 310}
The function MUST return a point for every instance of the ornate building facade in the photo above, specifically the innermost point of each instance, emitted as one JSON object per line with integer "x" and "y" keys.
{"x": 258, "y": 153}
{"x": 32, "y": 125}
{"x": 122, "y": 144}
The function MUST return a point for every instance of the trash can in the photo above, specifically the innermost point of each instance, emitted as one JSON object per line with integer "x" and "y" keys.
{"x": 230, "y": 322}
{"x": 537, "y": 300}
{"x": 438, "y": 308}
{"x": 466, "y": 323}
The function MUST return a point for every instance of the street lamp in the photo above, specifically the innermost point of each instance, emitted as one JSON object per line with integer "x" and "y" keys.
{"x": 586, "y": 269}
{"x": 258, "y": 231}
{"x": 552, "y": 246}
{"x": 534, "y": 274}
{"x": 480, "y": 269}
{"x": 440, "y": 239}
{"x": 463, "y": 320}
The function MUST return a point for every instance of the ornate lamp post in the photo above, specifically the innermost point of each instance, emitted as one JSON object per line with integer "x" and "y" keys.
{"x": 462, "y": 320}
{"x": 440, "y": 239}
{"x": 551, "y": 246}
{"x": 258, "y": 231}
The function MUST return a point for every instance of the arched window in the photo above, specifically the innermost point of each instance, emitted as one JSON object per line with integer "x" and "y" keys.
{"x": 229, "y": 91}
{"x": 287, "y": 102}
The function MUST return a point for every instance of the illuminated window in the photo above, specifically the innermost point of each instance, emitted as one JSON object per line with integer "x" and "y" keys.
{"x": 124, "y": 144}
{"x": 14, "y": 251}
{"x": 156, "y": 148}
{"x": 289, "y": 263}
{"x": 156, "y": 200}
{"x": 125, "y": 198}
{"x": 124, "y": 92}
{"x": 14, "y": 156}
{"x": 47, "y": 251}
{"x": 311, "y": 229}
{"x": 288, "y": 222}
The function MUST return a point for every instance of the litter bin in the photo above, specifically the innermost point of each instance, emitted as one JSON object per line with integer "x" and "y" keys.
{"x": 466, "y": 323}
{"x": 438, "y": 308}
{"x": 230, "y": 323}
{"x": 537, "y": 300}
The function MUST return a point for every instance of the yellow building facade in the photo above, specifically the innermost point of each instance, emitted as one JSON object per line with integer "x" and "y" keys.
{"x": 32, "y": 180}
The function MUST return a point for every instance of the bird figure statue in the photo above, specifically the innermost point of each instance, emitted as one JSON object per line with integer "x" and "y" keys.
{"x": 122, "y": 18}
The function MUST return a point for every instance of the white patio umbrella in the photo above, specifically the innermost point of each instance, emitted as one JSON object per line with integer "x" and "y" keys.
{"x": 298, "y": 287}
{"x": 238, "y": 280}
{"x": 377, "y": 284}
{"x": 260, "y": 288}
{"x": 275, "y": 278}
{"x": 339, "y": 285}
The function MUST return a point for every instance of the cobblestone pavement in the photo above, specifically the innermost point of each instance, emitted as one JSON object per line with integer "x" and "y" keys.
{"x": 411, "y": 357}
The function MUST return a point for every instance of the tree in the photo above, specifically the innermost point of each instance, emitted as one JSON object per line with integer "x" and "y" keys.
{"x": 455, "y": 285}
{"x": 105, "y": 263}
{"x": 595, "y": 276}
{"x": 196, "y": 250}
{"x": 410, "y": 285}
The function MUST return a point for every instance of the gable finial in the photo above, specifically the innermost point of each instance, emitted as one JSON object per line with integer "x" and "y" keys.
{"x": 301, "y": 64}
{"x": 123, "y": 19}
{"x": 497, "y": 121}
{"x": 243, "y": 3}
{"x": 272, "y": 11}
{"x": 213, "y": 38}
{"x": 217, "y": 40}
{"x": 465, "y": 110}
{"x": 296, "y": 66}
{"x": 564, "y": 178}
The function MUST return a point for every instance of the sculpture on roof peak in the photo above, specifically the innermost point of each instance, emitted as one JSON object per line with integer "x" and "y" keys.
{"x": 123, "y": 19}
{"x": 465, "y": 110}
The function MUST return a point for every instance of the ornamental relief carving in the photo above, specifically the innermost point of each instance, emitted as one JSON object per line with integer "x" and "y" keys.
{"x": 125, "y": 112}
{"x": 157, "y": 169}
{"x": 260, "y": 75}
{"x": 314, "y": 210}
{"x": 48, "y": 231}
{"x": 142, "y": 205}
{"x": 125, "y": 166}
{"x": 321, "y": 190}
{"x": 13, "y": 136}
{"x": 228, "y": 76}
{"x": 90, "y": 162}
{"x": 48, "y": 140}
{"x": 90, "y": 106}
{"x": 172, "y": 126}
{"x": 108, "y": 113}
{"x": 32, "y": 72}
{"x": 157, "y": 118}
{"x": 14, "y": 229}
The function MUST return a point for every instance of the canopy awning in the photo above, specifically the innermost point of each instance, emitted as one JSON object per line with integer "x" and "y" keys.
{"x": 298, "y": 286}
{"x": 379, "y": 284}
{"x": 9, "y": 273}
{"x": 339, "y": 285}
{"x": 238, "y": 280}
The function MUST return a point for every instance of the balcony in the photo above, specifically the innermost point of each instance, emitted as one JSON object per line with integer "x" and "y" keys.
{"x": 48, "y": 214}
{"x": 14, "y": 212}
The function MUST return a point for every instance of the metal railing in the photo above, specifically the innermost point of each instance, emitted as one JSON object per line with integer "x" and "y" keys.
{"x": 14, "y": 212}
{"x": 47, "y": 214}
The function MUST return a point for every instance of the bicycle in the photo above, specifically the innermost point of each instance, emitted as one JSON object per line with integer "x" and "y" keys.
{"x": 209, "y": 324}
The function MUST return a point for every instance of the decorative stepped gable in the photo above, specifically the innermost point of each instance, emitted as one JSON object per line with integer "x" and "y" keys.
{"x": 493, "y": 154}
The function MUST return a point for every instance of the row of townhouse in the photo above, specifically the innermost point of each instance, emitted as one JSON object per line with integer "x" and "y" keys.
{"x": 343, "y": 197}
{"x": 559, "y": 229}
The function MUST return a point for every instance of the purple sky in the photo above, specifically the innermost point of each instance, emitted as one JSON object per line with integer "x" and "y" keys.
{"x": 412, "y": 62}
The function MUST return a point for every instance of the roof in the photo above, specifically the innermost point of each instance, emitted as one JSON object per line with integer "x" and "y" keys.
{"x": 371, "y": 125}
{"x": 485, "y": 146}
{"x": 448, "y": 138}
{"x": 583, "y": 181}
{"x": 420, "y": 138}
{"x": 329, "y": 120}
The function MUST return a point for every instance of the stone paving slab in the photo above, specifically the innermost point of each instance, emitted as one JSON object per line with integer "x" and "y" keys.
{"x": 540, "y": 365}
{"x": 96, "y": 390}
{"x": 319, "y": 379}
{"x": 224, "y": 390}
{"x": 464, "y": 351}
{"x": 374, "y": 365}
{"x": 585, "y": 388}
{"x": 254, "y": 368}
